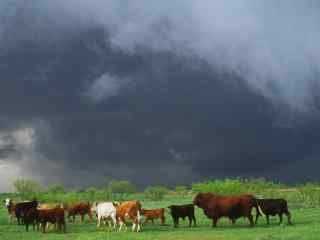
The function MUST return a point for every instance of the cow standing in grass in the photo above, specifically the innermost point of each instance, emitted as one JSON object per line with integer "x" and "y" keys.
{"x": 274, "y": 207}
{"x": 152, "y": 214}
{"x": 131, "y": 210}
{"x": 81, "y": 209}
{"x": 106, "y": 211}
{"x": 9, "y": 204}
{"x": 216, "y": 206}
{"x": 22, "y": 208}
{"x": 182, "y": 211}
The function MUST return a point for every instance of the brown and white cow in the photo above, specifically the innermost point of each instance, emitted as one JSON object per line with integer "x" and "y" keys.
{"x": 216, "y": 206}
{"x": 151, "y": 214}
{"x": 10, "y": 205}
{"x": 131, "y": 210}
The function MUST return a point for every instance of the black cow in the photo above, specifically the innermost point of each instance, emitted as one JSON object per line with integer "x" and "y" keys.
{"x": 274, "y": 207}
{"x": 182, "y": 211}
{"x": 22, "y": 208}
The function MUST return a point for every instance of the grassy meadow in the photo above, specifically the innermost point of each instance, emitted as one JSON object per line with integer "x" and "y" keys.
{"x": 303, "y": 202}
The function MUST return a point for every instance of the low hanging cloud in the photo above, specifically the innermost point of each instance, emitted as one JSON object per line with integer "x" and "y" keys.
{"x": 104, "y": 87}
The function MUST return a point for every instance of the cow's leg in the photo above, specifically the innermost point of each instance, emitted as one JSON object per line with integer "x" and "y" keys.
{"x": 214, "y": 221}
{"x": 280, "y": 218}
{"x": 250, "y": 217}
{"x": 163, "y": 220}
{"x": 194, "y": 221}
{"x": 98, "y": 221}
{"x": 138, "y": 226}
{"x": 257, "y": 216}
{"x": 268, "y": 219}
{"x": 82, "y": 217}
{"x": 288, "y": 214}
{"x": 27, "y": 227}
{"x": 44, "y": 226}
{"x": 175, "y": 222}
{"x": 114, "y": 222}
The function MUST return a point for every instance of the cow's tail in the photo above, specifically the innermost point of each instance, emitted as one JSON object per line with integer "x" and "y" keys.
{"x": 257, "y": 206}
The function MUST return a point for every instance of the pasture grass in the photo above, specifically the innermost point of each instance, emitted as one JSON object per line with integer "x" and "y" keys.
{"x": 306, "y": 227}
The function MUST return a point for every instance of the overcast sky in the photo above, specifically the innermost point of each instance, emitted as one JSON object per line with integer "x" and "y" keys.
{"x": 159, "y": 92}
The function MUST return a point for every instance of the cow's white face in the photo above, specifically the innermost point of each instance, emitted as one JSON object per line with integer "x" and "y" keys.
{"x": 7, "y": 202}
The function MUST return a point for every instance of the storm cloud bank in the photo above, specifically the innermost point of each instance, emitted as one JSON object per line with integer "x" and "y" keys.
{"x": 159, "y": 92}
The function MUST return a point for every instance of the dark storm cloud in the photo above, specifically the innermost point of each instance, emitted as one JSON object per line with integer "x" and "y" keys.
{"x": 160, "y": 92}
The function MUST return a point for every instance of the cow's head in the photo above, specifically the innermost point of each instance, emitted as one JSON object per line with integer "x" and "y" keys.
{"x": 199, "y": 200}
{"x": 94, "y": 206}
{"x": 202, "y": 199}
{"x": 7, "y": 202}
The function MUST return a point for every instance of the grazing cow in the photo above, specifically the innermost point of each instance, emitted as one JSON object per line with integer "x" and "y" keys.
{"x": 105, "y": 211}
{"x": 274, "y": 207}
{"x": 217, "y": 206}
{"x": 131, "y": 210}
{"x": 182, "y": 211}
{"x": 152, "y": 214}
{"x": 9, "y": 204}
{"x": 44, "y": 216}
{"x": 22, "y": 208}
{"x": 81, "y": 209}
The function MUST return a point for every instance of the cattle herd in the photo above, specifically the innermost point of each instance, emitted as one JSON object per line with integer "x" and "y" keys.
{"x": 116, "y": 214}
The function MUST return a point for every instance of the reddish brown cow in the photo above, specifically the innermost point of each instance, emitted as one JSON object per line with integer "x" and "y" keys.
{"x": 81, "y": 209}
{"x": 216, "y": 206}
{"x": 131, "y": 210}
{"x": 153, "y": 214}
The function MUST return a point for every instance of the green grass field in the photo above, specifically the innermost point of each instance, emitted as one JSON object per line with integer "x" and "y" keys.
{"x": 306, "y": 226}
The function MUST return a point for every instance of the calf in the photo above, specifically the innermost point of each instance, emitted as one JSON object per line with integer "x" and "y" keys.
{"x": 274, "y": 207}
{"x": 153, "y": 214}
{"x": 182, "y": 211}
{"x": 131, "y": 210}
{"x": 22, "y": 208}
{"x": 9, "y": 204}
{"x": 55, "y": 216}
{"x": 81, "y": 209}
{"x": 105, "y": 211}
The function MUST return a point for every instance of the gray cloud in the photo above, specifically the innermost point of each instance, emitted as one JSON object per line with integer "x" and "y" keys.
{"x": 190, "y": 89}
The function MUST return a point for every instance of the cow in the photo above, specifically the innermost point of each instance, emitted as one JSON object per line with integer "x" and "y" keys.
{"x": 131, "y": 210}
{"x": 22, "y": 208}
{"x": 44, "y": 216}
{"x": 182, "y": 211}
{"x": 216, "y": 206}
{"x": 274, "y": 207}
{"x": 9, "y": 204}
{"x": 152, "y": 214}
{"x": 81, "y": 209}
{"x": 43, "y": 206}
{"x": 106, "y": 211}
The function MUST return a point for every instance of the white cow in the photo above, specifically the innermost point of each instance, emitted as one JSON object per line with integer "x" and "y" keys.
{"x": 106, "y": 211}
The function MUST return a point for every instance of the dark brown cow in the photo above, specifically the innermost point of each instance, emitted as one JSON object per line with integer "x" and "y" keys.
{"x": 22, "y": 208}
{"x": 274, "y": 207}
{"x": 152, "y": 214}
{"x": 131, "y": 210}
{"x": 182, "y": 211}
{"x": 216, "y": 206}
{"x": 44, "y": 216}
{"x": 81, "y": 209}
